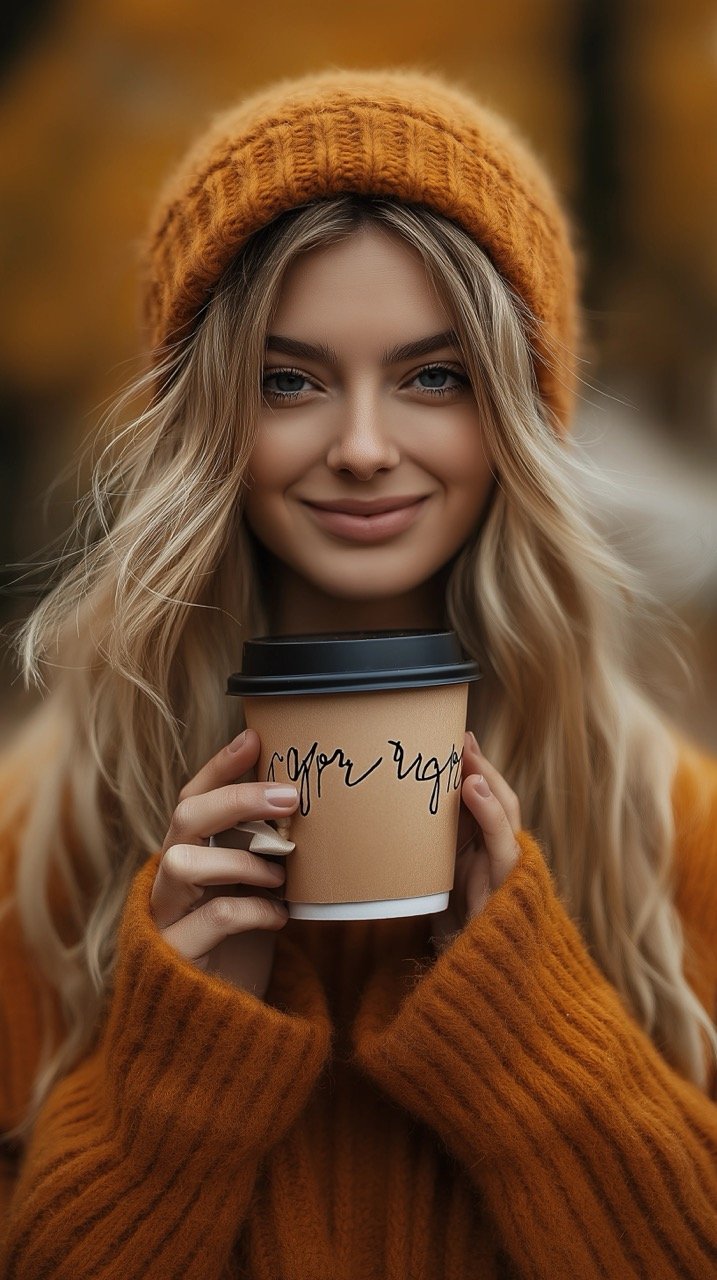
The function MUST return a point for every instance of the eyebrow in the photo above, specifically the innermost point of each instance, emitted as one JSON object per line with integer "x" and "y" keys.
{"x": 406, "y": 351}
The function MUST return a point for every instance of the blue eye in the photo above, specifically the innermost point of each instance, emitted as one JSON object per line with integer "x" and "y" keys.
{"x": 435, "y": 372}
{"x": 441, "y": 371}
{"x": 284, "y": 373}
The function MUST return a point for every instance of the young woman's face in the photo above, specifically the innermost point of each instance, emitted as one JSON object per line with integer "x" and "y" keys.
{"x": 364, "y": 421}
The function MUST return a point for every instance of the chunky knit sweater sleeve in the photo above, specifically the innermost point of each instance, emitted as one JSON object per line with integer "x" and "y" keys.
{"x": 593, "y": 1157}
{"x": 144, "y": 1158}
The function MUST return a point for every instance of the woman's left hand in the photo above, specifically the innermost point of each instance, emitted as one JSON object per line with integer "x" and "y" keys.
{"x": 483, "y": 862}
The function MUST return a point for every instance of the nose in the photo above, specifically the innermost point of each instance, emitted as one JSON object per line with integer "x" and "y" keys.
{"x": 364, "y": 444}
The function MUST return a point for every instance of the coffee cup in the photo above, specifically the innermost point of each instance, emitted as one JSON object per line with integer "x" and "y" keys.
{"x": 368, "y": 725}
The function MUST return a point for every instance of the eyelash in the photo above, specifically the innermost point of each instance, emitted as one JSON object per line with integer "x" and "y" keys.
{"x": 431, "y": 391}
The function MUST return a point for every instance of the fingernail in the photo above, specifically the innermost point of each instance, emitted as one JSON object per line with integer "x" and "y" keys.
{"x": 474, "y": 740}
{"x": 481, "y": 786}
{"x": 282, "y": 797}
{"x": 237, "y": 742}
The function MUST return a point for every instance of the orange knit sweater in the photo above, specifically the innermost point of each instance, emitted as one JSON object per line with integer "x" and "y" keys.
{"x": 493, "y": 1112}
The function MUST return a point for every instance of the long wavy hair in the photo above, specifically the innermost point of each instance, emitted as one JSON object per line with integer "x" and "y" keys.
{"x": 139, "y": 630}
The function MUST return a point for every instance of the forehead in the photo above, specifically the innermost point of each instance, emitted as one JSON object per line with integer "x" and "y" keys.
{"x": 372, "y": 284}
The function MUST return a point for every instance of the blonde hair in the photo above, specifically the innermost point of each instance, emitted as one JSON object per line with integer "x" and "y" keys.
{"x": 139, "y": 635}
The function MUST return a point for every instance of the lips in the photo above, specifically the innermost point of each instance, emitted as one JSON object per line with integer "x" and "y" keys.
{"x": 367, "y": 528}
{"x": 362, "y": 507}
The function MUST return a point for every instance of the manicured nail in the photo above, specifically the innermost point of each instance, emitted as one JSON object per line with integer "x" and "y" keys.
{"x": 282, "y": 797}
{"x": 481, "y": 786}
{"x": 237, "y": 742}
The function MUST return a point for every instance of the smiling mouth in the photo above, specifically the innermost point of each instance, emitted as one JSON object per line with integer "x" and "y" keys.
{"x": 361, "y": 528}
{"x": 363, "y": 508}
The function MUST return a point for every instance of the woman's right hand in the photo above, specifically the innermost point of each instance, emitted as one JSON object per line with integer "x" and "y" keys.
{"x": 232, "y": 934}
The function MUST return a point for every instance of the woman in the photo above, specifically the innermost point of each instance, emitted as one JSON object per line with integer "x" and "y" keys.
{"x": 191, "y": 1084}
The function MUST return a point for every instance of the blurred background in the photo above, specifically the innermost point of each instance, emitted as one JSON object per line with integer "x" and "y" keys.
{"x": 97, "y": 101}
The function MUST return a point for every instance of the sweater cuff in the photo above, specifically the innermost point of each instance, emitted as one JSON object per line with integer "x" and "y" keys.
{"x": 514, "y": 996}
{"x": 194, "y": 1059}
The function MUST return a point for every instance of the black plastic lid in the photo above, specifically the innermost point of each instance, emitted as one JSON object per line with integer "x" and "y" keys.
{"x": 351, "y": 661}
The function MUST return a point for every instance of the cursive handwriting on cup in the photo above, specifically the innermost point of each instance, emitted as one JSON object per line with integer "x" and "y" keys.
{"x": 315, "y": 762}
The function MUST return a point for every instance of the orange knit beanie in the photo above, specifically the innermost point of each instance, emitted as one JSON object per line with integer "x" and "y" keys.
{"x": 397, "y": 132}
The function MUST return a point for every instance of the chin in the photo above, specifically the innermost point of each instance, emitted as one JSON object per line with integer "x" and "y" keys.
{"x": 359, "y": 590}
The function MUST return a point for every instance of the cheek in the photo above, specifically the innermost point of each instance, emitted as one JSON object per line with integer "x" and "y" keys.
{"x": 465, "y": 472}
{"x": 264, "y": 467}
{"x": 265, "y": 483}
{"x": 281, "y": 455}
{"x": 462, "y": 463}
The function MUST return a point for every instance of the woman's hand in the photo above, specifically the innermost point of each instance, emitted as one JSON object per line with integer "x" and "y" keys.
{"x": 214, "y": 904}
{"x": 487, "y": 847}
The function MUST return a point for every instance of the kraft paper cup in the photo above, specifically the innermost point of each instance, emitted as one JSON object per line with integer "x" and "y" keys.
{"x": 369, "y": 728}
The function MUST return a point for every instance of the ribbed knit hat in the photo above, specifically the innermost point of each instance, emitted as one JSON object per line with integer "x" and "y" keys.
{"x": 396, "y": 132}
